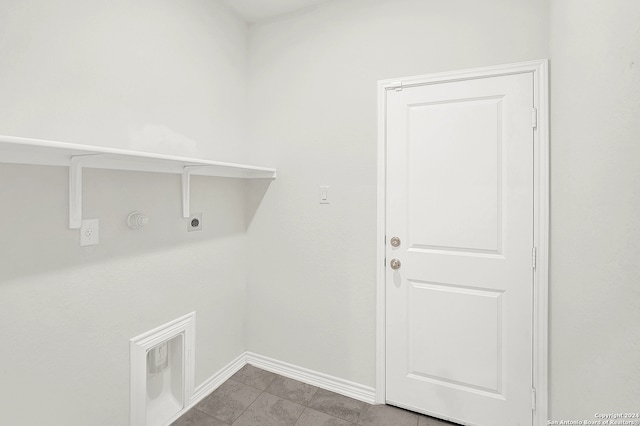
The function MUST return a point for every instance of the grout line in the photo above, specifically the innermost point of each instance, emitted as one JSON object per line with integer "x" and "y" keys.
{"x": 206, "y": 414}
{"x": 248, "y": 406}
{"x": 301, "y": 413}
{"x": 242, "y": 383}
{"x": 285, "y": 399}
{"x": 314, "y": 394}
{"x": 251, "y": 386}
{"x": 305, "y": 404}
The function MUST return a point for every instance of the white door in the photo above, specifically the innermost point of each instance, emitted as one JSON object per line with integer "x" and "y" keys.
{"x": 460, "y": 201}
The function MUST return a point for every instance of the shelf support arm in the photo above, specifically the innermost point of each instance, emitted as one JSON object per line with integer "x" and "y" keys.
{"x": 75, "y": 189}
{"x": 186, "y": 190}
{"x": 75, "y": 192}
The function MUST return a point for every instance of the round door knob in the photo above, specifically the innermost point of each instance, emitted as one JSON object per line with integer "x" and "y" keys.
{"x": 395, "y": 242}
{"x": 395, "y": 264}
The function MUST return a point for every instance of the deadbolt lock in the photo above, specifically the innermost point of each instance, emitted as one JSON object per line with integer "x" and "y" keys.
{"x": 395, "y": 242}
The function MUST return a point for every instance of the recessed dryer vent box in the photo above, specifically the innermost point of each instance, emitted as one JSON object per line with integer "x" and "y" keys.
{"x": 162, "y": 372}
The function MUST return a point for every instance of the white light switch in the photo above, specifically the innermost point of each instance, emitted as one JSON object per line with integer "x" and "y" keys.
{"x": 324, "y": 195}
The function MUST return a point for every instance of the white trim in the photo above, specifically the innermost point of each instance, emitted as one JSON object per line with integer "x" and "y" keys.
{"x": 467, "y": 74}
{"x": 142, "y": 343}
{"x": 211, "y": 384}
{"x": 539, "y": 69}
{"x": 381, "y": 357}
{"x": 321, "y": 380}
{"x": 541, "y": 239}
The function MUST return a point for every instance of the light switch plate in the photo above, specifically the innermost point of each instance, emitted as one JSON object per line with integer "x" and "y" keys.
{"x": 324, "y": 195}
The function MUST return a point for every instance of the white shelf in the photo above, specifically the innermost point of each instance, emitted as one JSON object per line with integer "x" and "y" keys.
{"x": 50, "y": 153}
{"x": 19, "y": 150}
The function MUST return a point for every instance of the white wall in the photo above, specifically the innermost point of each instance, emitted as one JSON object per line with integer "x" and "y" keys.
{"x": 98, "y": 73}
{"x": 595, "y": 199}
{"x": 313, "y": 74}
{"x": 170, "y": 77}
{"x": 160, "y": 76}
{"x": 67, "y": 312}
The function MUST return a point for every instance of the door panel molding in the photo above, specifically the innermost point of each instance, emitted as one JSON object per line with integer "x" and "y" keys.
{"x": 539, "y": 69}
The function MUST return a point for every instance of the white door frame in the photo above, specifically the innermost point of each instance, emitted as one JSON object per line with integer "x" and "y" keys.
{"x": 539, "y": 69}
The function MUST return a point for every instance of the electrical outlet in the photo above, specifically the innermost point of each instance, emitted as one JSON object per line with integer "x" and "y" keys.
{"x": 195, "y": 222}
{"x": 90, "y": 232}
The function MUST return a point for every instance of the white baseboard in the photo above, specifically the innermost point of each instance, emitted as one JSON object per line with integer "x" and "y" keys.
{"x": 211, "y": 384}
{"x": 321, "y": 380}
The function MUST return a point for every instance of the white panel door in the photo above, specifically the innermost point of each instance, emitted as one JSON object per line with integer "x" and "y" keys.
{"x": 460, "y": 200}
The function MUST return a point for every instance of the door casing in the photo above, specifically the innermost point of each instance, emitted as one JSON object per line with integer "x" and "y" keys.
{"x": 539, "y": 69}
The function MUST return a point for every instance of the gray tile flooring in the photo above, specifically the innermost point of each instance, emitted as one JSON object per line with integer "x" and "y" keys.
{"x": 254, "y": 397}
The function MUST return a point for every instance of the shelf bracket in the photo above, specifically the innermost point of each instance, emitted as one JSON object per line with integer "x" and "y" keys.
{"x": 186, "y": 189}
{"x": 75, "y": 189}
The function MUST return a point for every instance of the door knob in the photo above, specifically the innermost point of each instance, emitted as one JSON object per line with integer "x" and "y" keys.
{"x": 395, "y": 264}
{"x": 395, "y": 242}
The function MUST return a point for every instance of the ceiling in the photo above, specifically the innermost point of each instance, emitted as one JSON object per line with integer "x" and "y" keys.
{"x": 259, "y": 10}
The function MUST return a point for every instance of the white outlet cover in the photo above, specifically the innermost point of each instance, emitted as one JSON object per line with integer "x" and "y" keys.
{"x": 90, "y": 232}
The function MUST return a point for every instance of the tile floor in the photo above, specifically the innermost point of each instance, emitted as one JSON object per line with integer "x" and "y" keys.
{"x": 254, "y": 397}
